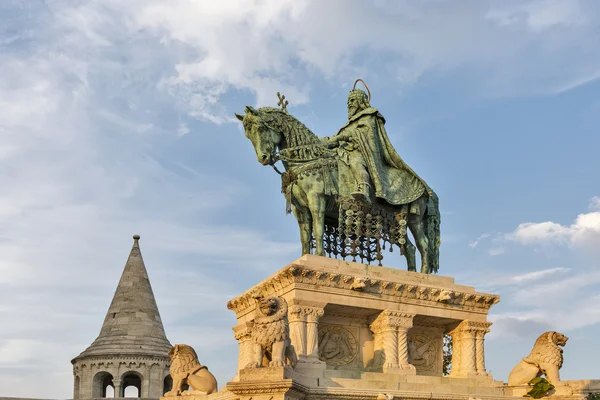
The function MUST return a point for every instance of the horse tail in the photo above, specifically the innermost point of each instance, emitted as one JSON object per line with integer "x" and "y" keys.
{"x": 432, "y": 227}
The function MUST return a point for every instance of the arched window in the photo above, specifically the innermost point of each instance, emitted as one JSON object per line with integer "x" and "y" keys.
{"x": 167, "y": 384}
{"x": 102, "y": 381}
{"x": 131, "y": 383}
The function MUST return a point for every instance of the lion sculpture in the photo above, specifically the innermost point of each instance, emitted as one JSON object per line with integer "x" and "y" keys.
{"x": 271, "y": 334}
{"x": 546, "y": 358}
{"x": 186, "y": 371}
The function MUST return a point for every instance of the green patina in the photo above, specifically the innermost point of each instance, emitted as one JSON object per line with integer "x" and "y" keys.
{"x": 351, "y": 192}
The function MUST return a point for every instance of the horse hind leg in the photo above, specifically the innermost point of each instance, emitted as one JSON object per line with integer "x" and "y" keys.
{"x": 416, "y": 224}
{"x": 409, "y": 251}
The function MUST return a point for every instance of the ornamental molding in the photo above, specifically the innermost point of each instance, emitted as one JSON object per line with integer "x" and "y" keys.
{"x": 302, "y": 277}
{"x": 265, "y": 387}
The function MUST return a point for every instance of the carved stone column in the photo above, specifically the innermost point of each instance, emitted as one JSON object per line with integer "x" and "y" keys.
{"x": 242, "y": 334}
{"x": 403, "y": 327}
{"x": 304, "y": 331}
{"x": 117, "y": 385}
{"x": 297, "y": 323}
{"x": 456, "y": 352}
{"x": 479, "y": 348}
{"x": 468, "y": 355}
{"x": 390, "y": 329}
{"x": 312, "y": 331}
{"x": 467, "y": 350}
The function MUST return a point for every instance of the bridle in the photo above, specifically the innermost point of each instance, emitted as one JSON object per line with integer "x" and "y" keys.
{"x": 281, "y": 156}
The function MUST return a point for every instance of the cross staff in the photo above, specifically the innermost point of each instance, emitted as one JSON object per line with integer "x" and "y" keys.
{"x": 282, "y": 102}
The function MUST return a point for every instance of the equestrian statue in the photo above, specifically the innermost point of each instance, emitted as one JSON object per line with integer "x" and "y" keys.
{"x": 351, "y": 193}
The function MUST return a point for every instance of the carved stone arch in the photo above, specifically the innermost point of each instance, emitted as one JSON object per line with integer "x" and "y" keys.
{"x": 131, "y": 378}
{"x": 101, "y": 381}
{"x": 167, "y": 384}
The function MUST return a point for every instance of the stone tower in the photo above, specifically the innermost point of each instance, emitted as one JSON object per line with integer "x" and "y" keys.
{"x": 132, "y": 348}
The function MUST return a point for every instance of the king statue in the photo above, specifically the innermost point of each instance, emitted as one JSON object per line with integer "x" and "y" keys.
{"x": 375, "y": 168}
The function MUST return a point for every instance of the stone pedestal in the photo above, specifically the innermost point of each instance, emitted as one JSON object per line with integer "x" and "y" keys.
{"x": 354, "y": 325}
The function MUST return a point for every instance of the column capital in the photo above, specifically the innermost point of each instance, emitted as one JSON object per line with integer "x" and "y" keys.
{"x": 305, "y": 313}
{"x": 388, "y": 319}
{"x": 242, "y": 331}
{"x": 471, "y": 327}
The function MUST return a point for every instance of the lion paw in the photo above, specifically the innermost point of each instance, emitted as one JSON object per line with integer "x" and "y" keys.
{"x": 253, "y": 365}
{"x": 277, "y": 363}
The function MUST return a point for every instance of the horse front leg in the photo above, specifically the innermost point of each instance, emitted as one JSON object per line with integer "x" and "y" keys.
{"x": 305, "y": 224}
{"x": 317, "y": 203}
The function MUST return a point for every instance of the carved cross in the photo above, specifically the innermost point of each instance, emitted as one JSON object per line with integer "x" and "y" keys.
{"x": 282, "y": 102}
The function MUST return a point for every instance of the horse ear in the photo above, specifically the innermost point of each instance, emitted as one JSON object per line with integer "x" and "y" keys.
{"x": 251, "y": 110}
{"x": 240, "y": 117}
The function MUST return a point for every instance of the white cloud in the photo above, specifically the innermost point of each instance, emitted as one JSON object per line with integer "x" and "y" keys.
{"x": 536, "y": 275}
{"x": 474, "y": 243}
{"x": 538, "y": 16}
{"x": 546, "y": 299}
{"x": 95, "y": 94}
{"x": 583, "y": 232}
{"x": 209, "y": 50}
{"x": 496, "y": 251}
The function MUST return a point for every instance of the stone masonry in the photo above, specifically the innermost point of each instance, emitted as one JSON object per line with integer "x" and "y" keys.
{"x": 132, "y": 348}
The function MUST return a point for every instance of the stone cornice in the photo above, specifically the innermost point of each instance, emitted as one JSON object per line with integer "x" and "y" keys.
{"x": 125, "y": 359}
{"x": 300, "y": 276}
{"x": 266, "y": 387}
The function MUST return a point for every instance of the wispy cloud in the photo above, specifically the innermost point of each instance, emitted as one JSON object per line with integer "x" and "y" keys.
{"x": 102, "y": 102}
{"x": 584, "y": 232}
{"x": 474, "y": 243}
{"x": 205, "y": 53}
{"x": 536, "y": 275}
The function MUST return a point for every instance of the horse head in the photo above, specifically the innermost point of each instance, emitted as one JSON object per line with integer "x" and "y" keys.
{"x": 264, "y": 136}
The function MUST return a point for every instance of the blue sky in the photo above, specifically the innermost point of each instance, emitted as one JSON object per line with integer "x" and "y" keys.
{"x": 117, "y": 118}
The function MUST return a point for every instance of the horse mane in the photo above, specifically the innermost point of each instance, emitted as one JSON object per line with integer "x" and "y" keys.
{"x": 295, "y": 132}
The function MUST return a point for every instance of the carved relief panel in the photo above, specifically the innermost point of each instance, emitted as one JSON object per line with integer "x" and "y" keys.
{"x": 425, "y": 350}
{"x": 339, "y": 345}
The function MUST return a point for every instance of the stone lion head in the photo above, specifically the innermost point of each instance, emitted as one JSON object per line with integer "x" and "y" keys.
{"x": 182, "y": 350}
{"x": 558, "y": 338}
{"x": 268, "y": 305}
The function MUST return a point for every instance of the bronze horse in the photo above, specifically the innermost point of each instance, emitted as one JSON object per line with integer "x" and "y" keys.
{"x": 277, "y": 135}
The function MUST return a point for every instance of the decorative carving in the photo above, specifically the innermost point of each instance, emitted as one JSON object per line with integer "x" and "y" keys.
{"x": 390, "y": 329}
{"x": 358, "y": 284}
{"x": 422, "y": 351}
{"x": 545, "y": 358}
{"x": 468, "y": 351}
{"x": 445, "y": 296}
{"x": 297, "y": 274}
{"x": 337, "y": 345}
{"x": 186, "y": 370}
{"x": 270, "y": 333}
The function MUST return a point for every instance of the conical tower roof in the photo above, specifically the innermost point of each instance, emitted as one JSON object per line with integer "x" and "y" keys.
{"x": 132, "y": 325}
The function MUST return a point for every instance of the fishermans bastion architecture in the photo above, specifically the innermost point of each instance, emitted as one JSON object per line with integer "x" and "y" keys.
{"x": 132, "y": 348}
{"x": 330, "y": 325}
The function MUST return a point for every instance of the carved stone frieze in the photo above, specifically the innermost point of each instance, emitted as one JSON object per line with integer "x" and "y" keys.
{"x": 327, "y": 281}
